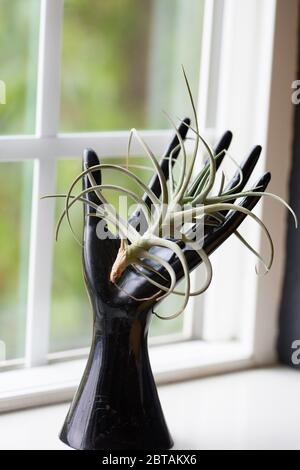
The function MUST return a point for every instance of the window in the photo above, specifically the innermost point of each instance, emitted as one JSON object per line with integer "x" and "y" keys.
{"x": 79, "y": 76}
{"x": 19, "y": 32}
{"x": 72, "y": 330}
{"x": 17, "y": 116}
{"x": 124, "y": 67}
{"x": 130, "y": 52}
{"x": 15, "y": 197}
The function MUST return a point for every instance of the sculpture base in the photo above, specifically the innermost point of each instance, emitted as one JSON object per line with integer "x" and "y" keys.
{"x": 110, "y": 445}
{"x": 116, "y": 405}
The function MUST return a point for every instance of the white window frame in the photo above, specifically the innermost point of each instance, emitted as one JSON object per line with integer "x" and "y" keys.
{"x": 57, "y": 380}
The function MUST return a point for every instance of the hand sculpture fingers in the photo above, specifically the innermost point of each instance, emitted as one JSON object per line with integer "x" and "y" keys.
{"x": 246, "y": 170}
{"x": 220, "y": 149}
{"x": 90, "y": 159}
{"x": 172, "y": 152}
{"x": 100, "y": 247}
{"x": 215, "y": 238}
{"x": 134, "y": 285}
{"x": 234, "y": 219}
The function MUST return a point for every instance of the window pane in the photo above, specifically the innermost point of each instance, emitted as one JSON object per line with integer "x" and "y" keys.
{"x": 122, "y": 62}
{"x": 71, "y": 324}
{"x": 160, "y": 327}
{"x": 71, "y": 318}
{"x": 19, "y": 22}
{"x": 15, "y": 204}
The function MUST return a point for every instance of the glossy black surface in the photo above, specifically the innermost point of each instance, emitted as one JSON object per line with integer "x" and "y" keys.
{"x": 116, "y": 405}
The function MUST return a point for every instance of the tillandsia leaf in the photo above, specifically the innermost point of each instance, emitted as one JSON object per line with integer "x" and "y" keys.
{"x": 103, "y": 216}
{"x": 161, "y": 176}
{"x": 150, "y": 256}
{"x": 171, "y": 174}
{"x": 196, "y": 146}
{"x": 218, "y": 217}
{"x": 142, "y": 265}
{"x": 172, "y": 185}
{"x": 222, "y": 183}
{"x": 171, "y": 166}
{"x": 205, "y": 260}
{"x": 127, "y": 192}
{"x": 155, "y": 201}
{"x": 223, "y": 206}
{"x": 224, "y": 198}
{"x": 127, "y": 229}
{"x": 177, "y": 250}
{"x": 161, "y": 287}
{"x": 150, "y": 154}
{"x": 177, "y": 196}
{"x": 200, "y": 181}
{"x": 199, "y": 211}
{"x": 212, "y": 166}
{"x": 137, "y": 299}
{"x": 170, "y": 158}
{"x": 63, "y": 196}
{"x": 207, "y": 166}
{"x": 192, "y": 186}
{"x": 105, "y": 166}
{"x": 209, "y": 273}
{"x": 146, "y": 255}
{"x": 170, "y": 211}
{"x": 81, "y": 199}
{"x": 66, "y": 213}
{"x": 241, "y": 176}
{"x": 207, "y": 182}
{"x": 250, "y": 248}
{"x": 212, "y": 223}
{"x": 139, "y": 167}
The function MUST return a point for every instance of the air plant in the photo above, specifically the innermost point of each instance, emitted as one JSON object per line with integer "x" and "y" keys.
{"x": 181, "y": 199}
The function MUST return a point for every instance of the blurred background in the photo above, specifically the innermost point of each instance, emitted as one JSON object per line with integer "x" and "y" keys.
{"x": 121, "y": 66}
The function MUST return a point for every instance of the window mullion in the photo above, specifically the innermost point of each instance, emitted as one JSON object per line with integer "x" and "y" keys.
{"x": 243, "y": 107}
{"x": 193, "y": 319}
{"x": 42, "y": 222}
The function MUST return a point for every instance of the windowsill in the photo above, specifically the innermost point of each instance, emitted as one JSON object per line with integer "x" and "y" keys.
{"x": 251, "y": 410}
{"x": 56, "y": 383}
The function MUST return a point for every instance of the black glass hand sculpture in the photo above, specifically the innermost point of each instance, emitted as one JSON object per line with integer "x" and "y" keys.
{"x": 117, "y": 405}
